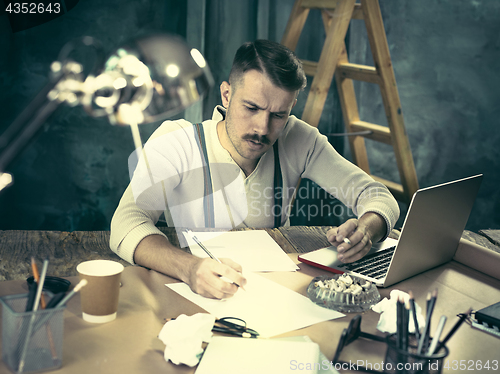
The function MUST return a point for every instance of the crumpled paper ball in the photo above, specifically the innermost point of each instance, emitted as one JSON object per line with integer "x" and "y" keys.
{"x": 388, "y": 310}
{"x": 184, "y": 336}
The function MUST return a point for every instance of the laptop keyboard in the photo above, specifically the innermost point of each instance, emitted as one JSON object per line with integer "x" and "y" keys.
{"x": 374, "y": 265}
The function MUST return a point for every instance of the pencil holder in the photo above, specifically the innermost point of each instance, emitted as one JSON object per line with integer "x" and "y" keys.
{"x": 31, "y": 341}
{"x": 408, "y": 361}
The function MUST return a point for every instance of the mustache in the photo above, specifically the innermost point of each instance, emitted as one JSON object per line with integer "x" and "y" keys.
{"x": 257, "y": 138}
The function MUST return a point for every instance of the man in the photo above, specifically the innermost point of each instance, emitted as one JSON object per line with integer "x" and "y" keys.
{"x": 251, "y": 144}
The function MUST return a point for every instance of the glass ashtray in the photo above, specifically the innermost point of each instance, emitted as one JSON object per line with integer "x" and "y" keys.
{"x": 343, "y": 293}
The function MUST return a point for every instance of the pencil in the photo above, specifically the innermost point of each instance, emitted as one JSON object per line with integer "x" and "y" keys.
{"x": 437, "y": 335}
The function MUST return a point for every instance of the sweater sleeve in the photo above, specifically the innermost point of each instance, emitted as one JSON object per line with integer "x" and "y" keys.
{"x": 322, "y": 164}
{"x": 154, "y": 178}
{"x": 130, "y": 224}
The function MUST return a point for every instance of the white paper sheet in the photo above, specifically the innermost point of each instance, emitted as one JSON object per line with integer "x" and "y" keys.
{"x": 254, "y": 250}
{"x": 226, "y": 355}
{"x": 295, "y": 354}
{"x": 267, "y": 307}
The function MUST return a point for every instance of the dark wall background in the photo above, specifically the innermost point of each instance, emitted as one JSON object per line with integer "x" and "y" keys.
{"x": 72, "y": 175}
{"x": 445, "y": 55}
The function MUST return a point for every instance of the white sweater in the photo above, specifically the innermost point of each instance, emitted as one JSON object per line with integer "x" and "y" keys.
{"x": 175, "y": 173}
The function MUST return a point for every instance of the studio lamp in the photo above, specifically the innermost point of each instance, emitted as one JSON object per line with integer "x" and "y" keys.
{"x": 146, "y": 80}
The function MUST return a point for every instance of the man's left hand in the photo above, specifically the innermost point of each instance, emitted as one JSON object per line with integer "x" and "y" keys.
{"x": 355, "y": 237}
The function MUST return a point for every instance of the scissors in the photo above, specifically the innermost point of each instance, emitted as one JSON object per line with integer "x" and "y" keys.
{"x": 238, "y": 327}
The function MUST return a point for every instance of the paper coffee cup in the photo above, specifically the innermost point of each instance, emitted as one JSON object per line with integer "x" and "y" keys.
{"x": 99, "y": 298}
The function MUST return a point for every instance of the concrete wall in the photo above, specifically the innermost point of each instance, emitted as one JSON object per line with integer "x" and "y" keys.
{"x": 445, "y": 55}
{"x": 72, "y": 175}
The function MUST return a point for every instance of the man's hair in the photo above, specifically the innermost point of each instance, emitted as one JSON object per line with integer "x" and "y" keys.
{"x": 275, "y": 60}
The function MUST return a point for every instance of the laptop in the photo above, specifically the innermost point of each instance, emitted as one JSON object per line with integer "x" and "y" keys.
{"x": 430, "y": 235}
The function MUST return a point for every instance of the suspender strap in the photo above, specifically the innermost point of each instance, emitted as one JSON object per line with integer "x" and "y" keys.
{"x": 278, "y": 187}
{"x": 208, "y": 197}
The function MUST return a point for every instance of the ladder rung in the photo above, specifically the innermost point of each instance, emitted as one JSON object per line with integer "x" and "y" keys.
{"x": 378, "y": 133}
{"x": 358, "y": 12}
{"x": 310, "y": 67}
{"x": 395, "y": 188}
{"x": 330, "y": 5}
{"x": 319, "y": 4}
{"x": 358, "y": 72}
{"x": 350, "y": 71}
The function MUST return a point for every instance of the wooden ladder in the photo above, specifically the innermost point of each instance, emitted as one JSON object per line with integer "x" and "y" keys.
{"x": 337, "y": 15}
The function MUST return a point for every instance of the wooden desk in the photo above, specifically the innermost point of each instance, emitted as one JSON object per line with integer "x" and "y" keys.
{"x": 130, "y": 345}
{"x": 67, "y": 249}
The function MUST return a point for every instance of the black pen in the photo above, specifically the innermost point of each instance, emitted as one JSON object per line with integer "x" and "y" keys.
{"x": 463, "y": 317}
{"x": 428, "y": 303}
{"x": 32, "y": 287}
{"x": 60, "y": 303}
{"x": 414, "y": 314}
{"x": 31, "y": 296}
{"x": 399, "y": 323}
{"x": 55, "y": 299}
{"x": 425, "y": 334}
{"x": 70, "y": 294}
{"x": 406, "y": 320}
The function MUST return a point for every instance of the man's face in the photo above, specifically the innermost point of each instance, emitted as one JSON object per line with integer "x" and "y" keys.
{"x": 257, "y": 112}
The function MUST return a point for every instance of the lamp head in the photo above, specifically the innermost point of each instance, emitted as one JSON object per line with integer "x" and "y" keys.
{"x": 148, "y": 79}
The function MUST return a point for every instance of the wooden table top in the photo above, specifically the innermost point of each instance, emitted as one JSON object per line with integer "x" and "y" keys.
{"x": 143, "y": 312}
{"x": 65, "y": 250}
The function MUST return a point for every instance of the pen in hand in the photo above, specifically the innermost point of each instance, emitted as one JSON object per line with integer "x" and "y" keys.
{"x": 189, "y": 232}
{"x": 203, "y": 247}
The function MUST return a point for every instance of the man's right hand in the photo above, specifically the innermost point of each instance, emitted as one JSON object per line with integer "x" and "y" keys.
{"x": 212, "y": 279}
{"x": 205, "y": 276}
